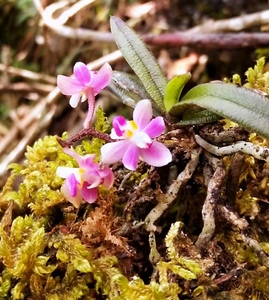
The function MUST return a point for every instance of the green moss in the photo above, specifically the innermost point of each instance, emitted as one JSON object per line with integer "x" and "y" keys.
{"x": 136, "y": 289}
{"x": 237, "y": 249}
{"x": 39, "y": 257}
{"x": 22, "y": 254}
{"x": 35, "y": 184}
{"x": 256, "y": 78}
{"x": 184, "y": 267}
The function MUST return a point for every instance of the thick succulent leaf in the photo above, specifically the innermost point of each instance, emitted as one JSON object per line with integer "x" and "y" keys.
{"x": 241, "y": 105}
{"x": 129, "y": 89}
{"x": 140, "y": 59}
{"x": 174, "y": 89}
{"x": 197, "y": 115}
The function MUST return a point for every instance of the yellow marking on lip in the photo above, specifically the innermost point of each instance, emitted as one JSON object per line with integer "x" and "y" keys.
{"x": 131, "y": 127}
{"x": 80, "y": 173}
{"x": 128, "y": 133}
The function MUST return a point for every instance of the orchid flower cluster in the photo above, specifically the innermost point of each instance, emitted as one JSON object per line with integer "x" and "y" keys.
{"x": 134, "y": 139}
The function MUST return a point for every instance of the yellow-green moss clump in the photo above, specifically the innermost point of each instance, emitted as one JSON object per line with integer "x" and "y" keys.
{"x": 256, "y": 78}
{"x": 50, "y": 250}
{"x": 40, "y": 258}
{"x": 41, "y": 250}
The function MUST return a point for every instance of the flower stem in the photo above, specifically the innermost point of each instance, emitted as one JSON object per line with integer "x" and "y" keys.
{"x": 86, "y": 132}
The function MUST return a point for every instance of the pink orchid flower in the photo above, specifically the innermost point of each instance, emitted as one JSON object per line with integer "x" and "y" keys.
{"x": 82, "y": 183}
{"x": 136, "y": 139}
{"x": 85, "y": 85}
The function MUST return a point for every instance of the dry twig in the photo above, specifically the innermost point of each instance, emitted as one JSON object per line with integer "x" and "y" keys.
{"x": 27, "y": 74}
{"x": 233, "y": 24}
{"x": 206, "y": 35}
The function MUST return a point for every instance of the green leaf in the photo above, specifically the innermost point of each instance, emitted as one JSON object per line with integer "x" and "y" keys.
{"x": 140, "y": 59}
{"x": 197, "y": 115}
{"x": 174, "y": 89}
{"x": 130, "y": 90}
{"x": 241, "y": 105}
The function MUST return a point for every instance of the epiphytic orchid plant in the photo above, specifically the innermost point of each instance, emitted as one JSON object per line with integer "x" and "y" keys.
{"x": 202, "y": 104}
{"x": 149, "y": 94}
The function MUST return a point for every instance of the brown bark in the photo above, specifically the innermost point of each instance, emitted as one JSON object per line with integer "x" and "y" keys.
{"x": 210, "y": 40}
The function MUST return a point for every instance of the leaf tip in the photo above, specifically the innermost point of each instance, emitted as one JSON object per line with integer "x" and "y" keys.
{"x": 115, "y": 20}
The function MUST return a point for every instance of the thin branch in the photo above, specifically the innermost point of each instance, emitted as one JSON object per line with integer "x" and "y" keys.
{"x": 24, "y": 87}
{"x": 86, "y": 132}
{"x": 209, "y": 40}
{"x": 230, "y": 275}
{"x": 56, "y": 24}
{"x": 27, "y": 74}
{"x": 233, "y": 24}
{"x": 206, "y": 35}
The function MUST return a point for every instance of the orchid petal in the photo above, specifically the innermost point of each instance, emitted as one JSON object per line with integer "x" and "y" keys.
{"x": 82, "y": 73}
{"x": 76, "y": 201}
{"x": 108, "y": 178}
{"x": 89, "y": 194}
{"x": 72, "y": 153}
{"x": 156, "y": 155}
{"x": 83, "y": 97}
{"x": 74, "y": 100}
{"x": 130, "y": 158}
{"x": 113, "y": 152}
{"x": 82, "y": 183}
{"x": 69, "y": 86}
{"x": 72, "y": 184}
{"x": 114, "y": 136}
{"x": 102, "y": 78}
{"x": 85, "y": 162}
{"x": 142, "y": 113}
{"x": 64, "y": 172}
{"x": 119, "y": 124}
{"x": 93, "y": 180}
{"x": 155, "y": 127}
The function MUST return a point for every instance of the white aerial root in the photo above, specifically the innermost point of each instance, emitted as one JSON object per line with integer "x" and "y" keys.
{"x": 172, "y": 192}
{"x": 261, "y": 153}
{"x": 208, "y": 211}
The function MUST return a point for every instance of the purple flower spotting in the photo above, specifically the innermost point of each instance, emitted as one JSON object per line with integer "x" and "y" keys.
{"x": 135, "y": 139}
{"x": 82, "y": 183}
{"x": 85, "y": 85}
